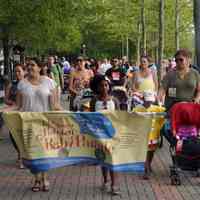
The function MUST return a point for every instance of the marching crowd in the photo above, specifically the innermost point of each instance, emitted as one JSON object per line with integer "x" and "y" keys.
{"x": 94, "y": 85}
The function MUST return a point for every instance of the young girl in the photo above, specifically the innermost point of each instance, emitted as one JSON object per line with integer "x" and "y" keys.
{"x": 10, "y": 99}
{"x": 104, "y": 101}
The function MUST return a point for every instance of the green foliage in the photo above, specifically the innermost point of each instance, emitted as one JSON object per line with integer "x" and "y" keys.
{"x": 103, "y": 25}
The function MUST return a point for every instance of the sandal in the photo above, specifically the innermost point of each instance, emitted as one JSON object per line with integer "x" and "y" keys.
{"x": 105, "y": 187}
{"x": 36, "y": 186}
{"x": 46, "y": 186}
{"x": 147, "y": 172}
{"x": 115, "y": 190}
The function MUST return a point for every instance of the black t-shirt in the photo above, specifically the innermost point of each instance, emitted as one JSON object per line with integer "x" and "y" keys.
{"x": 116, "y": 76}
{"x": 13, "y": 90}
{"x": 2, "y": 85}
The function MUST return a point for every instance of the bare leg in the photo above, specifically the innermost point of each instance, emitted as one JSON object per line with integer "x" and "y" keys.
{"x": 114, "y": 178}
{"x": 37, "y": 182}
{"x": 148, "y": 162}
{"x": 104, "y": 174}
{"x": 45, "y": 182}
{"x": 115, "y": 190}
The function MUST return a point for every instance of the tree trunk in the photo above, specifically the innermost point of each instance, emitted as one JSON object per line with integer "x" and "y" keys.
{"x": 197, "y": 30}
{"x": 5, "y": 42}
{"x": 161, "y": 37}
{"x": 122, "y": 46}
{"x": 144, "y": 48}
{"x": 138, "y": 43}
{"x": 156, "y": 55}
{"x": 177, "y": 11}
{"x": 127, "y": 47}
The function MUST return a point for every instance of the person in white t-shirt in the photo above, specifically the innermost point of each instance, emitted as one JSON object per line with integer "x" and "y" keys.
{"x": 37, "y": 93}
{"x": 104, "y": 67}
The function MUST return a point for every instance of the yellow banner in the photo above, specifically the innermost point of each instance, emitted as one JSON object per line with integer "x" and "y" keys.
{"x": 118, "y": 139}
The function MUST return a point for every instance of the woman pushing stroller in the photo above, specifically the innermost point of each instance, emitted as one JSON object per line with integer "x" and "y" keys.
{"x": 180, "y": 85}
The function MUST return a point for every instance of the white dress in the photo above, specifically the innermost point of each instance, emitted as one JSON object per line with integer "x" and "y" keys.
{"x": 105, "y": 105}
{"x": 36, "y": 98}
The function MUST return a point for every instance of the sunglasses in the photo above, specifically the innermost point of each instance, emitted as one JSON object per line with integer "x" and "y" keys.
{"x": 31, "y": 64}
{"x": 179, "y": 60}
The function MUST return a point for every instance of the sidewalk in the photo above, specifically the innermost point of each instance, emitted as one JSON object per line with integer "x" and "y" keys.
{"x": 83, "y": 182}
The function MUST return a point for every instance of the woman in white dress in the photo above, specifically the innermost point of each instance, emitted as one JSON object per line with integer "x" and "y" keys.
{"x": 37, "y": 93}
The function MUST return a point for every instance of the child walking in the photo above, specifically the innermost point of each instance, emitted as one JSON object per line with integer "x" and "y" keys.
{"x": 104, "y": 101}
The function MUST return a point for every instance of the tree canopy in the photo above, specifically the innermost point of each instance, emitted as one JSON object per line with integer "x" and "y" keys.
{"x": 103, "y": 25}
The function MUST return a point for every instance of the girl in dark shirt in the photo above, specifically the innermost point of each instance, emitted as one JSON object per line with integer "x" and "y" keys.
{"x": 10, "y": 99}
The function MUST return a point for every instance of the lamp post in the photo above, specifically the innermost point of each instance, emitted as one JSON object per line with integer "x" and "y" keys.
{"x": 83, "y": 50}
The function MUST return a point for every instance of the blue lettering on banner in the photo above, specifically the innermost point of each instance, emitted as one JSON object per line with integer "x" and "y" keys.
{"x": 95, "y": 124}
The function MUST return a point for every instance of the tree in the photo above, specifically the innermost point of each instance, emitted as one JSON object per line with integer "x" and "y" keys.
{"x": 197, "y": 29}
{"x": 161, "y": 35}
{"x": 177, "y": 24}
{"x": 103, "y": 25}
{"x": 143, "y": 27}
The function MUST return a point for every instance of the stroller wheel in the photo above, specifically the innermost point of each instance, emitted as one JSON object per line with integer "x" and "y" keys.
{"x": 175, "y": 180}
{"x": 173, "y": 171}
{"x": 197, "y": 173}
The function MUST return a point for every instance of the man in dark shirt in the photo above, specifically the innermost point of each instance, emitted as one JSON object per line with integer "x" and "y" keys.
{"x": 116, "y": 74}
{"x": 117, "y": 78}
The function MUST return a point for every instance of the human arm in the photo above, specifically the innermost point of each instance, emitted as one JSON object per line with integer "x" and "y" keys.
{"x": 162, "y": 91}
{"x": 7, "y": 90}
{"x": 18, "y": 100}
{"x": 71, "y": 84}
{"x": 54, "y": 103}
{"x": 92, "y": 104}
{"x": 134, "y": 82}
{"x": 197, "y": 96}
{"x": 155, "y": 79}
{"x": 161, "y": 95}
{"x": 61, "y": 80}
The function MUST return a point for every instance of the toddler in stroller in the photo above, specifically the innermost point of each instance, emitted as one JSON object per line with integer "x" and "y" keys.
{"x": 185, "y": 143}
{"x": 120, "y": 93}
{"x": 81, "y": 101}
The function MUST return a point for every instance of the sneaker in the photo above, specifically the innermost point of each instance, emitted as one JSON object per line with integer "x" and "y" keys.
{"x": 115, "y": 190}
{"x": 20, "y": 164}
{"x": 105, "y": 187}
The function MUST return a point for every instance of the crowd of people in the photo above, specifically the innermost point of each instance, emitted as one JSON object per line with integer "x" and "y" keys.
{"x": 106, "y": 84}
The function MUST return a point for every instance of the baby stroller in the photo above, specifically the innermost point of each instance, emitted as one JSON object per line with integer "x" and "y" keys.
{"x": 81, "y": 101}
{"x": 185, "y": 143}
{"x": 120, "y": 93}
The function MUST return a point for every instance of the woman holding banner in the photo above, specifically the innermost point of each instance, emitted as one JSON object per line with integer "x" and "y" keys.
{"x": 145, "y": 87}
{"x": 103, "y": 101}
{"x": 10, "y": 99}
{"x": 37, "y": 93}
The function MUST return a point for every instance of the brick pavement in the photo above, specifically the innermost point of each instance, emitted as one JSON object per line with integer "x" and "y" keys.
{"x": 83, "y": 182}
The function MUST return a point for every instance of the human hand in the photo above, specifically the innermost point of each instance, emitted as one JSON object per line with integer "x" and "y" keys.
{"x": 197, "y": 100}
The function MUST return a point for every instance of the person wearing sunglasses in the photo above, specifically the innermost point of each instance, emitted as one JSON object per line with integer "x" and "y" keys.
{"x": 79, "y": 80}
{"x": 181, "y": 84}
{"x": 118, "y": 80}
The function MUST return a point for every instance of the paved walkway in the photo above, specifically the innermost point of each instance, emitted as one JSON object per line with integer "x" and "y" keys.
{"x": 83, "y": 182}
